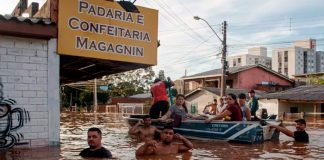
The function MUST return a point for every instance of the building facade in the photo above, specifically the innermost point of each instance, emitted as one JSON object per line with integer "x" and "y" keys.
{"x": 29, "y": 74}
{"x": 320, "y": 61}
{"x": 35, "y": 60}
{"x": 298, "y": 59}
{"x": 301, "y": 102}
{"x": 240, "y": 78}
{"x": 257, "y": 55}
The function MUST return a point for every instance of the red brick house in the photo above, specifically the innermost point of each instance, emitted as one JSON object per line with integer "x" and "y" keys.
{"x": 256, "y": 77}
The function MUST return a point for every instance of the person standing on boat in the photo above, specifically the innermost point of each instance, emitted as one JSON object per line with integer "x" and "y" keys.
{"x": 160, "y": 97}
{"x": 299, "y": 135}
{"x": 95, "y": 149}
{"x": 146, "y": 131}
{"x": 165, "y": 146}
{"x": 179, "y": 109}
{"x": 246, "y": 113}
{"x": 222, "y": 105}
{"x": 232, "y": 110}
{"x": 253, "y": 104}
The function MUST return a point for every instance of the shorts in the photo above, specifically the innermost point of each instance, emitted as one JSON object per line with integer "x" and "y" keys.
{"x": 159, "y": 107}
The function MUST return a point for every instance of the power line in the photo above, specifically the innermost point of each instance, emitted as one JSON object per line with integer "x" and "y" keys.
{"x": 178, "y": 19}
{"x": 195, "y": 47}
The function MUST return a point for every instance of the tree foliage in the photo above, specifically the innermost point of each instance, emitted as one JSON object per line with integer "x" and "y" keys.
{"x": 316, "y": 80}
{"x": 119, "y": 85}
{"x": 130, "y": 82}
{"x": 82, "y": 96}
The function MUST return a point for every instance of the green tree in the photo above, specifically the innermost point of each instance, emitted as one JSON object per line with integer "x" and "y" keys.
{"x": 315, "y": 80}
{"x": 130, "y": 82}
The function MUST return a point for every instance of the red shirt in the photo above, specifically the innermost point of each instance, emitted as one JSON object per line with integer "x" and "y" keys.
{"x": 158, "y": 91}
{"x": 236, "y": 112}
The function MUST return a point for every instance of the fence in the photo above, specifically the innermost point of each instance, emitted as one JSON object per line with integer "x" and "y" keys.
{"x": 311, "y": 117}
{"x": 130, "y": 108}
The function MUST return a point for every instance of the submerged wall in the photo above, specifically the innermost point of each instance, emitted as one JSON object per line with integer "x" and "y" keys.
{"x": 29, "y": 70}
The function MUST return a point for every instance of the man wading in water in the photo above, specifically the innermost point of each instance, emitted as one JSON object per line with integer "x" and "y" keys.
{"x": 299, "y": 135}
{"x": 145, "y": 132}
{"x": 165, "y": 146}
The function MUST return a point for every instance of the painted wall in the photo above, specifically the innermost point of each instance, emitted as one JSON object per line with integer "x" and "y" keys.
{"x": 270, "y": 104}
{"x": 302, "y": 107}
{"x": 249, "y": 78}
{"x": 279, "y": 107}
{"x": 201, "y": 98}
{"x": 30, "y": 75}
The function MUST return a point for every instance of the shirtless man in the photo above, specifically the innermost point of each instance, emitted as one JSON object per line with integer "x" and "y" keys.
{"x": 211, "y": 108}
{"x": 165, "y": 146}
{"x": 145, "y": 132}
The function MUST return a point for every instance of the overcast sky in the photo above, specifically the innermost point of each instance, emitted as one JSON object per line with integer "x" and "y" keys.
{"x": 188, "y": 44}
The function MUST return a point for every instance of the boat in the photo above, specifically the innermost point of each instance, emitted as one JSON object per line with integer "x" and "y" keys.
{"x": 250, "y": 132}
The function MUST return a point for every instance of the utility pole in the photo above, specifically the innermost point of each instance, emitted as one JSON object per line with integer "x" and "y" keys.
{"x": 224, "y": 62}
{"x": 95, "y": 104}
{"x": 224, "y": 50}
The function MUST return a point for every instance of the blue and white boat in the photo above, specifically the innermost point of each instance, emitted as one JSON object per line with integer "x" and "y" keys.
{"x": 233, "y": 131}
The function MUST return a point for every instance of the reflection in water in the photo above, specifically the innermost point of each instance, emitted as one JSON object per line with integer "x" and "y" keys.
{"x": 115, "y": 138}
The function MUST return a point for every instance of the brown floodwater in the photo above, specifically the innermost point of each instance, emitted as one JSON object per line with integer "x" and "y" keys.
{"x": 115, "y": 138}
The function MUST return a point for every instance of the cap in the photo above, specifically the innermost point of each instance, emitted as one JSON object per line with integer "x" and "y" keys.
{"x": 251, "y": 91}
{"x": 302, "y": 121}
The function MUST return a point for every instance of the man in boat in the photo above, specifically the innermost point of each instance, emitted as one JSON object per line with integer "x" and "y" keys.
{"x": 211, "y": 108}
{"x": 160, "y": 97}
{"x": 95, "y": 149}
{"x": 299, "y": 135}
{"x": 246, "y": 113}
{"x": 165, "y": 146}
{"x": 222, "y": 105}
{"x": 143, "y": 129}
{"x": 232, "y": 110}
{"x": 253, "y": 104}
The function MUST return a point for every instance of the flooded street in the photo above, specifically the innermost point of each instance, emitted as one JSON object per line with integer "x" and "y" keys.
{"x": 115, "y": 138}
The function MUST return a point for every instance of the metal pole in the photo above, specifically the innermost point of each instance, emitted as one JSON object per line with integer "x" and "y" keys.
{"x": 224, "y": 50}
{"x": 95, "y": 96}
{"x": 224, "y": 62}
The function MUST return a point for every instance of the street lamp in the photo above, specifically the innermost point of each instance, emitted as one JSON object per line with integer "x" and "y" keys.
{"x": 224, "y": 62}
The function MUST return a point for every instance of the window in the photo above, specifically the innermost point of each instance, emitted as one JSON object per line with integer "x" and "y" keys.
{"x": 293, "y": 109}
{"x": 286, "y": 71}
{"x": 234, "y": 63}
{"x": 256, "y": 60}
{"x": 279, "y": 57}
{"x": 286, "y": 56}
{"x": 239, "y": 60}
{"x": 305, "y": 62}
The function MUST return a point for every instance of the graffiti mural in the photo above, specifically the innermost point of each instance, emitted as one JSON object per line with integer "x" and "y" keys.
{"x": 11, "y": 119}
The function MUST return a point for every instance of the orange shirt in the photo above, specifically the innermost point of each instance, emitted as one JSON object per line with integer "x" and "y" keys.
{"x": 158, "y": 91}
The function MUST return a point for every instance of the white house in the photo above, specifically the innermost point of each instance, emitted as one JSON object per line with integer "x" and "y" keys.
{"x": 308, "y": 100}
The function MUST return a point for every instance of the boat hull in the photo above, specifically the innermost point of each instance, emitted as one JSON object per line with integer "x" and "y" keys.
{"x": 232, "y": 131}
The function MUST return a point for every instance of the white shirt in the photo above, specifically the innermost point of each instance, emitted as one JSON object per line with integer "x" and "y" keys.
{"x": 220, "y": 108}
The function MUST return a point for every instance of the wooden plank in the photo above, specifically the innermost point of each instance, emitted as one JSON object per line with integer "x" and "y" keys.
{"x": 20, "y": 8}
{"x": 32, "y": 9}
{"x": 302, "y": 101}
{"x": 24, "y": 29}
{"x": 44, "y": 11}
{"x": 54, "y": 10}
